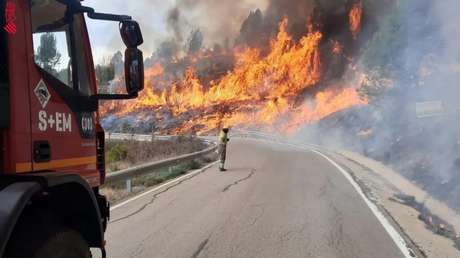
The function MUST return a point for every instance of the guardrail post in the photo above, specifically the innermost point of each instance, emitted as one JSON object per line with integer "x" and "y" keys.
{"x": 129, "y": 186}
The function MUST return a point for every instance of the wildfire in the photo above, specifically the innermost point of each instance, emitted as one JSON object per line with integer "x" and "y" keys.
{"x": 261, "y": 91}
{"x": 156, "y": 70}
{"x": 355, "y": 17}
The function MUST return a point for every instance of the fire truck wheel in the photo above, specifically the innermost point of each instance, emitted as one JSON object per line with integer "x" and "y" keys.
{"x": 62, "y": 243}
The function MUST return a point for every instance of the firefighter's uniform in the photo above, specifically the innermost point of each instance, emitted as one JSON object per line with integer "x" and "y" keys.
{"x": 223, "y": 139}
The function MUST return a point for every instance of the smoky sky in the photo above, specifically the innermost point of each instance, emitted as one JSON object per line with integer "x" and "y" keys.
{"x": 221, "y": 20}
{"x": 175, "y": 23}
{"x": 218, "y": 20}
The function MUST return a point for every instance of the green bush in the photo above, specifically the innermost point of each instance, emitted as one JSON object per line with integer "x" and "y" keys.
{"x": 117, "y": 152}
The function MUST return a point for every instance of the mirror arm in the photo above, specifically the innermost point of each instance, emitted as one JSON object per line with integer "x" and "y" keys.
{"x": 78, "y": 8}
{"x": 101, "y": 16}
{"x": 114, "y": 96}
{"x": 109, "y": 17}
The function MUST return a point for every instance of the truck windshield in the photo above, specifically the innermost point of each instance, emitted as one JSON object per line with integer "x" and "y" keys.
{"x": 58, "y": 45}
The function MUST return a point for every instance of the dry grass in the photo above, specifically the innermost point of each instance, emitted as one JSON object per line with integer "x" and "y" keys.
{"x": 122, "y": 154}
{"x": 126, "y": 153}
{"x": 116, "y": 192}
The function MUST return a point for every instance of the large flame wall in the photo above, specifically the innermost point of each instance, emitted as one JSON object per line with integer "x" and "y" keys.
{"x": 262, "y": 90}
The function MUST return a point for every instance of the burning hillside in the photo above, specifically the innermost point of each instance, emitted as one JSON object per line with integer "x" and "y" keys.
{"x": 276, "y": 84}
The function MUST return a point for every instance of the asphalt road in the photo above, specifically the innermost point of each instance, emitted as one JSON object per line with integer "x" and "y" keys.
{"x": 274, "y": 201}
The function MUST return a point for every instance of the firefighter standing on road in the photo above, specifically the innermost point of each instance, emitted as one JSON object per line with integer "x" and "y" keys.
{"x": 223, "y": 139}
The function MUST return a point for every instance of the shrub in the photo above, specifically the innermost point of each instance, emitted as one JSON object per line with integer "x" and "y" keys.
{"x": 117, "y": 152}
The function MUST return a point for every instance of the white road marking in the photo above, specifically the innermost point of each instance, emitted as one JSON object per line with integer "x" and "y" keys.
{"x": 184, "y": 177}
{"x": 394, "y": 234}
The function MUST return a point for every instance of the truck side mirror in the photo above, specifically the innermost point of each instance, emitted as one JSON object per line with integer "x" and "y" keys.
{"x": 134, "y": 62}
{"x": 134, "y": 70}
{"x": 131, "y": 33}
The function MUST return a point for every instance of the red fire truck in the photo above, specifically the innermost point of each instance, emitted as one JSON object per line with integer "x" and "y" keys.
{"x": 52, "y": 145}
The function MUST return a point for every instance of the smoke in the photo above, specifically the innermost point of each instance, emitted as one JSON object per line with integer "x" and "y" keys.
{"x": 176, "y": 23}
{"x": 440, "y": 73}
{"x": 426, "y": 69}
{"x": 217, "y": 20}
{"x": 415, "y": 45}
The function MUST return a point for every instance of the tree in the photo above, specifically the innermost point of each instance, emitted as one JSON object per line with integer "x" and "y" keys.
{"x": 47, "y": 55}
{"x": 167, "y": 51}
{"x": 118, "y": 64}
{"x": 194, "y": 42}
{"x": 252, "y": 30}
{"x": 105, "y": 73}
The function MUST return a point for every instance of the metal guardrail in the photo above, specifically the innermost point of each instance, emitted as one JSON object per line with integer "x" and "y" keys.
{"x": 149, "y": 137}
{"x": 234, "y": 133}
{"x": 147, "y": 168}
{"x": 151, "y": 167}
{"x": 137, "y": 137}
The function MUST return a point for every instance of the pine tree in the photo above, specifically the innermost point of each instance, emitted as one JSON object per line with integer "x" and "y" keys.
{"x": 48, "y": 56}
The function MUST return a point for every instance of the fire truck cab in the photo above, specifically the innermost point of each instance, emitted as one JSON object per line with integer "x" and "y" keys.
{"x": 52, "y": 144}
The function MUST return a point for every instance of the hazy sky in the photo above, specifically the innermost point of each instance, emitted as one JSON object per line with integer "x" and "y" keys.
{"x": 104, "y": 35}
{"x": 207, "y": 15}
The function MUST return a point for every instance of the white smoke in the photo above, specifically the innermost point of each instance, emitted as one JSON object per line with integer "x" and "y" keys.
{"x": 417, "y": 45}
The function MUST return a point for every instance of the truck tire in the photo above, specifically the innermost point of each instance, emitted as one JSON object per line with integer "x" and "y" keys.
{"x": 47, "y": 241}
{"x": 64, "y": 244}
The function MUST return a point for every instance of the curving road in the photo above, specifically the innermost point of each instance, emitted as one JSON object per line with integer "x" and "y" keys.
{"x": 274, "y": 201}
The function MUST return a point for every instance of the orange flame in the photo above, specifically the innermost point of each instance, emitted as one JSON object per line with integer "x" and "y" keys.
{"x": 154, "y": 71}
{"x": 261, "y": 90}
{"x": 355, "y": 17}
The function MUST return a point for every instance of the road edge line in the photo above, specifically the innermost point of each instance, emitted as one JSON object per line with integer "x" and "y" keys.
{"x": 179, "y": 179}
{"x": 392, "y": 232}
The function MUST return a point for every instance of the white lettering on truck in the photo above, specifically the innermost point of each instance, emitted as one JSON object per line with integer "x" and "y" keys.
{"x": 61, "y": 122}
{"x": 66, "y": 122}
{"x": 87, "y": 124}
{"x": 42, "y": 121}
{"x": 58, "y": 122}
